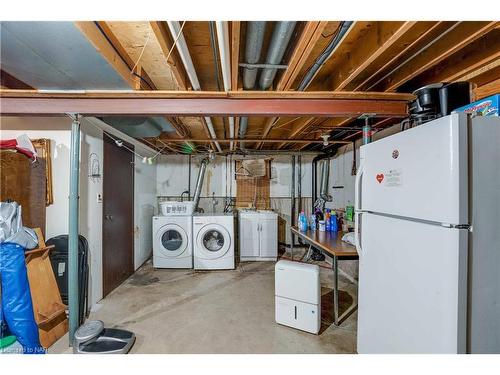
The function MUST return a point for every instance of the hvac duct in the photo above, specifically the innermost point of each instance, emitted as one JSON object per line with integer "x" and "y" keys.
{"x": 325, "y": 175}
{"x": 253, "y": 49}
{"x": 199, "y": 182}
{"x": 223, "y": 42}
{"x": 175, "y": 30}
{"x": 279, "y": 42}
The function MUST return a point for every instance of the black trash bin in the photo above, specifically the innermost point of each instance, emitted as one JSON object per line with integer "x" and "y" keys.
{"x": 59, "y": 261}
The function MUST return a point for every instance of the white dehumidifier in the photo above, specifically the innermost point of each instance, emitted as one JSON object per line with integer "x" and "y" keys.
{"x": 298, "y": 295}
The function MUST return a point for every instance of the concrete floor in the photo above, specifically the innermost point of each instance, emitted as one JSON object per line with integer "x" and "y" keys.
{"x": 186, "y": 311}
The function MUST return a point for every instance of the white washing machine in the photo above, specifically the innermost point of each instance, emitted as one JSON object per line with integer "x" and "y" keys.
{"x": 173, "y": 236}
{"x": 213, "y": 236}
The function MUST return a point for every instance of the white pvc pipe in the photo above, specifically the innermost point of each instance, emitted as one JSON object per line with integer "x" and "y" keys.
{"x": 223, "y": 42}
{"x": 175, "y": 30}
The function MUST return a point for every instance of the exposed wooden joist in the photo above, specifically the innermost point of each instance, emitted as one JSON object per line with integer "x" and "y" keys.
{"x": 487, "y": 89}
{"x": 98, "y": 40}
{"x": 166, "y": 42}
{"x": 452, "y": 41}
{"x": 235, "y": 53}
{"x": 142, "y": 79}
{"x": 267, "y": 140}
{"x": 307, "y": 40}
{"x": 474, "y": 59}
{"x": 301, "y": 125}
{"x": 375, "y": 43}
{"x": 421, "y": 34}
{"x": 236, "y": 95}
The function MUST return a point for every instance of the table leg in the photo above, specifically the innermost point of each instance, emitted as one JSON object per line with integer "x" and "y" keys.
{"x": 336, "y": 291}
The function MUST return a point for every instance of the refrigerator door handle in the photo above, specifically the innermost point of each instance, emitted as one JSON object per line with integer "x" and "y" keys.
{"x": 357, "y": 188}
{"x": 357, "y": 238}
{"x": 357, "y": 207}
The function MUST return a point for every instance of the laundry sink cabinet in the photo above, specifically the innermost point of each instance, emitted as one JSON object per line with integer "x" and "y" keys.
{"x": 258, "y": 235}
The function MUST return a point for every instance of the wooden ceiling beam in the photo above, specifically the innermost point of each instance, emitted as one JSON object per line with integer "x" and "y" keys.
{"x": 201, "y": 107}
{"x": 164, "y": 38}
{"x": 477, "y": 57}
{"x": 96, "y": 37}
{"x": 488, "y": 89}
{"x": 301, "y": 125}
{"x": 371, "y": 46}
{"x": 308, "y": 38}
{"x": 305, "y": 44}
{"x": 267, "y": 140}
{"x": 140, "y": 80}
{"x": 233, "y": 95}
{"x": 456, "y": 38}
{"x": 235, "y": 53}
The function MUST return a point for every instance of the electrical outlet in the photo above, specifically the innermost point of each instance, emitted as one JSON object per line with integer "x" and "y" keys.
{"x": 99, "y": 198}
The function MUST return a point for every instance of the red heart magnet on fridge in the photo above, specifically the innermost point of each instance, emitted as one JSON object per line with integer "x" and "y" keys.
{"x": 380, "y": 178}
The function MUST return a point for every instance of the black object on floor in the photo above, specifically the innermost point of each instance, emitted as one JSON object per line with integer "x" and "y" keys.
{"x": 93, "y": 338}
{"x": 317, "y": 256}
{"x": 59, "y": 260}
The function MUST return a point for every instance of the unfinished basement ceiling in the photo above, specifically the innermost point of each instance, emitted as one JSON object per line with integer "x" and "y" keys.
{"x": 381, "y": 56}
{"x": 55, "y": 56}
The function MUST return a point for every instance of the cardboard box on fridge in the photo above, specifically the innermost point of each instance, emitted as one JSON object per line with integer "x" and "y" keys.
{"x": 484, "y": 107}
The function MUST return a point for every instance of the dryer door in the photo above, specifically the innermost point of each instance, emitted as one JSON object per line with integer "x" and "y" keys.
{"x": 213, "y": 241}
{"x": 173, "y": 240}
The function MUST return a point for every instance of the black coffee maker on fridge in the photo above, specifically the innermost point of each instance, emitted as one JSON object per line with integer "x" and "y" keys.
{"x": 436, "y": 100}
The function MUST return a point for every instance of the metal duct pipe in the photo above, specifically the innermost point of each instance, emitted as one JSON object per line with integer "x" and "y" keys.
{"x": 182, "y": 48}
{"x": 224, "y": 51}
{"x": 199, "y": 182}
{"x": 279, "y": 42}
{"x": 311, "y": 73}
{"x": 253, "y": 49}
{"x": 325, "y": 175}
{"x": 315, "y": 173}
{"x": 243, "y": 130}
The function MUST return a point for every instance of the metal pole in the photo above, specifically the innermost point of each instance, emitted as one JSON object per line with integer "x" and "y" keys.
{"x": 367, "y": 132}
{"x": 73, "y": 228}
{"x": 292, "y": 196}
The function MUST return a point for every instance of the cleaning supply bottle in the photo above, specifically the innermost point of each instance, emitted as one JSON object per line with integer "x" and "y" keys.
{"x": 334, "y": 224}
{"x": 302, "y": 222}
{"x": 327, "y": 220}
{"x": 312, "y": 224}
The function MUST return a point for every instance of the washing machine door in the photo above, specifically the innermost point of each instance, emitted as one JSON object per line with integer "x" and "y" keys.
{"x": 172, "y": 240}
{"x": 213, "y": 241}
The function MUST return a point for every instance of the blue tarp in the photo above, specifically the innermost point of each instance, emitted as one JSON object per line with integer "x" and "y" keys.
{"x": 17, "y": 307}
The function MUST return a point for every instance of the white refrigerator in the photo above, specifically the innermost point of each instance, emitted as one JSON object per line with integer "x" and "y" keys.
{"x": 428, "y": 236}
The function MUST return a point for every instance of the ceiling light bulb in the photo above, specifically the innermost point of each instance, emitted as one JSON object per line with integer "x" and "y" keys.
{"x": 325, "y": 139}
{"x": 144, "y": 160}
{"x": 150, "y": 161}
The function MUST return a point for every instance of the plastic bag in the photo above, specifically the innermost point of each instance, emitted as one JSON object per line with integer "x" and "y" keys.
{"x": 17, "y": 306}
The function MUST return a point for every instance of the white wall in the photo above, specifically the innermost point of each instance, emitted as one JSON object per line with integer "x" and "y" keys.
{"x": 58, "y": 130}
{"x": 173, "y": 176}
{"x": 341, "y": 167}
{"x": 144, "y": 210}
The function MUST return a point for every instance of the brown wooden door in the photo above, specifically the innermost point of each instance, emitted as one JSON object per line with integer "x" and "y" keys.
{"x": 118, "y": 215}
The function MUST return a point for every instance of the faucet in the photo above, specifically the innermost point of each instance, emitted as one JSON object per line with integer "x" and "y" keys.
{"x": 214, "y": 202}
{"x": 182, "y": 195}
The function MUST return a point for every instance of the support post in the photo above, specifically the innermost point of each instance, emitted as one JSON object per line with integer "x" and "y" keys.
{"x": 73, "y": 228}
{"x": 292, "y": 202}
